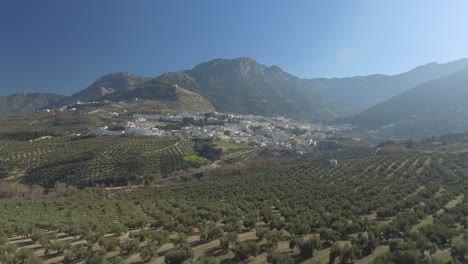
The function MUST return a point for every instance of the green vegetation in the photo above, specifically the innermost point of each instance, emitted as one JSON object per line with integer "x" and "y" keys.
{"x": 87, "y": 161}
{"x": 57, "y": 122}
{"x": 226, "y": 146}
{"x": 207, "y": 149}
{"x": 368, "y": 206}
{"x": 26, "y": 135}
{"x": 196, "y": 161}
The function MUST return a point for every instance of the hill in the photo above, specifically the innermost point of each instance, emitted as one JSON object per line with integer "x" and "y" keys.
{"x": 107, "y": 85}
{"x": 21, "y": 103}
{"x": 244, "y": 86}
{"x": 435, "y": 107}
{"x": 355, "y": 94}
{"x": 119, "y": 90}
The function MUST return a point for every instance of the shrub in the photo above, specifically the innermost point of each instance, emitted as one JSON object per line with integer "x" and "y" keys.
{"x": 278, "y": 258}
{"x": 244, "y": 250}
{"x": 148, "y": 252}
{"x": 178, "y": 256}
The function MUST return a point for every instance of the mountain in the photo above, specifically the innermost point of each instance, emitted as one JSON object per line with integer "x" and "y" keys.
{"x": 152, "y": 89}
{"x": 435, "y": 106}
{"x": 21, "y": 103}
{"x": 109, "y": 84}
{"x": 355, "y": 94}
{"x": 244, "y": 86}
{"x": 153, "y": 94}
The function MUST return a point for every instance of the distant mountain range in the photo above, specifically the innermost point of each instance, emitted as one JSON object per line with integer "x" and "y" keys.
{"x": 435, "y": 107}
{"x": 352, "y": 95}
{"x": 244, "y": 86}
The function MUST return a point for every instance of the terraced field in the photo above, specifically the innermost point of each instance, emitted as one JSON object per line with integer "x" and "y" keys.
{"x": 368, "y": 209}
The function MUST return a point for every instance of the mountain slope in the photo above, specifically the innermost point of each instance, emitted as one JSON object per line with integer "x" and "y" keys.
{"x": 436, "y": 105}
{"x": 21, "y": 103}
{"x": 244, "y": 86}
{"x": 151, "y": 90}
{"x": 355, "y": 94}
{"x": 109, "y": 84}
{"x": 153, "y": 94}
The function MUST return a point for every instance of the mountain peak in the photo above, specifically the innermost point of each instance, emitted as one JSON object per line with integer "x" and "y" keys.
{"x": 242, "y": 67}
{"x": 239, "y": 59}
{"x": 276, "y": 68}
{"x": 114, "y": 76}
{"x": 222, "y": 62}
{"x": 245, "y": 60}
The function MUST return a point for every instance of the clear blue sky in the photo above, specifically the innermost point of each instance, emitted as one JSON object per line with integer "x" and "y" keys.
{"x": 62, "y": 46}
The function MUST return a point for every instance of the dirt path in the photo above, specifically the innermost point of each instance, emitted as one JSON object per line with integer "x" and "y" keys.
{"x": 429, "y": 219}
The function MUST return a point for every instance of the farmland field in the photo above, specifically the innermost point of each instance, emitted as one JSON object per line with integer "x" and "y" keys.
{"x": 226, "y": 132}
{"x": 57, "y": 122}
{"x": 368, "y": 209}
{"x": 85, "y": 161}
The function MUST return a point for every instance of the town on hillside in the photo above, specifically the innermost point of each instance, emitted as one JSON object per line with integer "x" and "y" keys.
{"x": 258, "y": 131}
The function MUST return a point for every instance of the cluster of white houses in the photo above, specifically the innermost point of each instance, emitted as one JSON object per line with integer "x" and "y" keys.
{"x": 253, "y": 130}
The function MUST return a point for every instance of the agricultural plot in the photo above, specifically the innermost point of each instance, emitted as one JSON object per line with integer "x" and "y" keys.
{"x": 59, "y": 122}
{"x": 86, "y": 161}
{"x": 364, "y": 210}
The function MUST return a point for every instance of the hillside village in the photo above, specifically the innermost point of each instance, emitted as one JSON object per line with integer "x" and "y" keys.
{"x": 253, "y": 130}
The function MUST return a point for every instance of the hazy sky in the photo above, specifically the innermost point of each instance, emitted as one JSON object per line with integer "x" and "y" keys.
{"x": 62, "y": 46}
